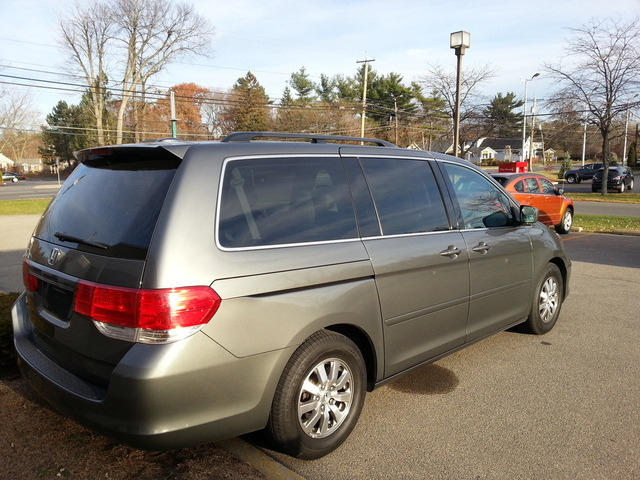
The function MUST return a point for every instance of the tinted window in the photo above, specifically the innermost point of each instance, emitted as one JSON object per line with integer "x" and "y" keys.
{"x": 547, "y": 186}
{"x": 112, "y": 199}
{"x": 482, "y": 204}
{"x": 284, "y": 201}
{"x": 406, "y": 195}
{"x": 519, "y": 186}
{"x": 531, "y": 185}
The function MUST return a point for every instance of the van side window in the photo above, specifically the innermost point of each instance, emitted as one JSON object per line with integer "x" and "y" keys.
{"x": 275, "y": 201}
{"x": 406, "y": 195}
{"x": 482, "y": 204}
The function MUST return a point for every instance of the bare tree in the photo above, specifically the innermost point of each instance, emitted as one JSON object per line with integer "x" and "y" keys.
{"x": 603, "y": 74}
{"x": 151, "y": 34}
{"x": 85, "y": 35}
{"x": 443, "y": 82}
{"x": 138, "y": 38}
{"x": 17, "y": 115}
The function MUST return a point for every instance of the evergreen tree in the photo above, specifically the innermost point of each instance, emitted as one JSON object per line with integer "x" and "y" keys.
{"x": 66, "y": 132}
{"x": 302, "y": 86}
{"x": 326, "y": 89}
{"x": 502, "y": 121}
{"x": 249, "y": 108}
{"x": 632, "y": 158}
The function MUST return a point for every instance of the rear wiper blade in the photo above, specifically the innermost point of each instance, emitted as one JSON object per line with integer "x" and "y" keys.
{"x": 71, "y": 238}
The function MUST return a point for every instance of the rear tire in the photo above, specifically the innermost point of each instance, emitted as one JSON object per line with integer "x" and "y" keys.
{"x": 621, "y": 188}
{"x": 319, "y": 396}
{"x": 547, "y": 301}
{"x": 571, "y": 179}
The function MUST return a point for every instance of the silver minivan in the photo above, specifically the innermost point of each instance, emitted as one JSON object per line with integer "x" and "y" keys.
{"x": 185, "y": 292}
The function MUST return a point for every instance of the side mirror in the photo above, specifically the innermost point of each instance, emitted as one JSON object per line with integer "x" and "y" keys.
{"x": 528, "y": 214}
{"x": 559, "y": 191}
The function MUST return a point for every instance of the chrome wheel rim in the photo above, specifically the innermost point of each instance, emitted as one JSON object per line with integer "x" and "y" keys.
{"x": 549, "y": 300}
{"x": 325, "y": 398}
{"x": 568, "y": 220}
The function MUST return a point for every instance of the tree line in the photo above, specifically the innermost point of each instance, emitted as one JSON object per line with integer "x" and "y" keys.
{"x": 119, "y": 46}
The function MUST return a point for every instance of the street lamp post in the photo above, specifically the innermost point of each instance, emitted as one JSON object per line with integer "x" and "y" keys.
{"x": 524, "y": 117}
{"x": 460, "y": 41}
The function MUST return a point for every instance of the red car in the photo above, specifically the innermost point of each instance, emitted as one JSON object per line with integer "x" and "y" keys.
{"x": 538, "y": 191}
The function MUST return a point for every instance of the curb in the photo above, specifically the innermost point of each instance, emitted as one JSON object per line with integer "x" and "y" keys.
{"x": 266, "y": 465}
{"x": 633, "y": 233}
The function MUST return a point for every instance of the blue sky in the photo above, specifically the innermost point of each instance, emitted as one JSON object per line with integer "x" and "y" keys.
{"x": 274, "y": 38}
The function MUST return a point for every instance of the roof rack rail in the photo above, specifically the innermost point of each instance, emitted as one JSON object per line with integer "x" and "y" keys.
{"x": 249, "y": 136}
{"x": 166, "y": 139}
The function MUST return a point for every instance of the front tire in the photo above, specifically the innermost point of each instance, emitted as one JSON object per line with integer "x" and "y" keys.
{"x": 631, "y": 185}
{"x": 567, "y": 221}
{"x": 571, "y": 179}
{"x": 547, "y": 301}
{"x": 319, "y": 396}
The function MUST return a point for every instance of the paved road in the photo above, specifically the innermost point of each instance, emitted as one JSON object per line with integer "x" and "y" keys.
{"x": 603, "y": 208}
{"x": 36, "y": 188}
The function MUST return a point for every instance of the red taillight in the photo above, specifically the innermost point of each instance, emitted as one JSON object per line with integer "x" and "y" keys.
{"x": 30, "y": 281}
{"x": 162, "y": 309}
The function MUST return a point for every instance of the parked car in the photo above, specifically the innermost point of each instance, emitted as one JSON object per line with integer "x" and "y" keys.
{"x": 184, "y": 292}
{"x": 536, "y": 190}
{"x": 12, "y": 176}
{"x": 584, "y": 172}
{"x": 619, "y": 178}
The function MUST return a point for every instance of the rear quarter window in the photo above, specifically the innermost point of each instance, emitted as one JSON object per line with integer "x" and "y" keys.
{"x": 280, "y": 201}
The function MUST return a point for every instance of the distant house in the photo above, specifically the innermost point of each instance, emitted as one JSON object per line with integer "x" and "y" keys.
{"x": 6, "y": 163}
{"x": 32, "y": 165}
{"x": 502, "y": 150}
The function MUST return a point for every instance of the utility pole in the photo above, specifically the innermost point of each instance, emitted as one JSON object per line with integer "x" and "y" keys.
{"x": 174, "y": 121}
{"x": 364, "y": 91}
{"x": 395, "y": 107}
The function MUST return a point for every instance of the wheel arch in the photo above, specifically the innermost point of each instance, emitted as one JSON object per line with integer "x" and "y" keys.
{"x": 564, "y": 271}
{"x": 364, "y": 344}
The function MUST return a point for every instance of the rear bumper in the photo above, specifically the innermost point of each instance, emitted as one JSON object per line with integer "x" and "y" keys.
{"x": 159, "y": 397}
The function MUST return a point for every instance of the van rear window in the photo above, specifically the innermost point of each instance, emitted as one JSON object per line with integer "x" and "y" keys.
{"x": 284, "y": 201}
{"x": 109, "y": 205}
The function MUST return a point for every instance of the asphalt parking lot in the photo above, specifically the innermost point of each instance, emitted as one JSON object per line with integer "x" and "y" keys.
{"x": 514, "y": 406}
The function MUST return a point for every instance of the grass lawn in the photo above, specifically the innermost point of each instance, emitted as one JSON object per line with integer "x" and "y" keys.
{"x": 24, "y": 207}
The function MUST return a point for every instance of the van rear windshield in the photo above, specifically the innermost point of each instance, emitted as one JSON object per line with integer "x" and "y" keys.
{"x": 109, "y": 205}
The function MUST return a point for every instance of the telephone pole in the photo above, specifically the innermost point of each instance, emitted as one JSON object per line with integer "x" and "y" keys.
{"x": 364, "y": 91}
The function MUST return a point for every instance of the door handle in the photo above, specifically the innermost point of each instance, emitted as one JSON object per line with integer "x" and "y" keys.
{"x": 452, "y": 252}
{"x": 482, "y": 248}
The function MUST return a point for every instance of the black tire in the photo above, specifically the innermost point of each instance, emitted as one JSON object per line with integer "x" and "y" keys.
{"x": 547, "y": 301}
{"x": 333, "y": 365}
{"x": 571, "y": 179}
{"x": 630, "y": 187}
{"x": 621, "y": 188}
{"x": 567, "y": 221}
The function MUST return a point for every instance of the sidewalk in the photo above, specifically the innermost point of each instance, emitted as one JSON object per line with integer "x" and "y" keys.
{"x": 15, "y": 232}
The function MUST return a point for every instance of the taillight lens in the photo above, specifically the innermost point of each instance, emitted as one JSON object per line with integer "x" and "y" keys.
{"x": 146, "y": 315}
{"x": 30, "y": 281}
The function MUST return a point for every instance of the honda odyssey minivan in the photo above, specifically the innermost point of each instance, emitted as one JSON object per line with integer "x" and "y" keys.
{"x": 184, "y": 292}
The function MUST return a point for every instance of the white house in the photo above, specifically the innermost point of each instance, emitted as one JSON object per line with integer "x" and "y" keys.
{"x": 6, "y": 163}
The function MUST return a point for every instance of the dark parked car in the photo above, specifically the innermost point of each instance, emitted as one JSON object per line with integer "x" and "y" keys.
{"x": 185, "y": 292}
{"x": 12, "y": 176}
{"x": 585, "y": 172}
{"x": 619, "y": 178}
